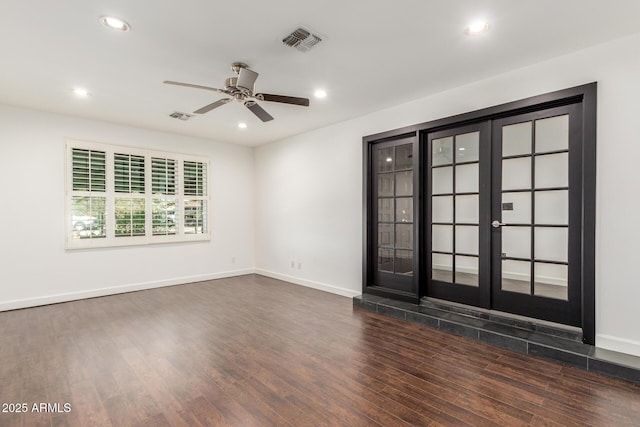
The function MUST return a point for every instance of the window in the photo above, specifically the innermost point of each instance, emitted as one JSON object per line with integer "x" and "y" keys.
{"x": 195, "y": 207}
{"x": 88, "y": 201}
{"x": 120, "y": 196}
{"x": 163, "y": 187}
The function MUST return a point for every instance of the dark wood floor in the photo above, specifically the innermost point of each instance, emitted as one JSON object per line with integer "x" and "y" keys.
{"x": 253, "y": 351}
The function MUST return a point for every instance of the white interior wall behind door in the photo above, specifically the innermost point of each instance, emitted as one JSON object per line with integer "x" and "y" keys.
{"x": 309, "y": 187}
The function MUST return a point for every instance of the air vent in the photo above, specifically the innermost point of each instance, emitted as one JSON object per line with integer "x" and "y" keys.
{"x": 181, "y": 116}
{"x": 302, "y": 39}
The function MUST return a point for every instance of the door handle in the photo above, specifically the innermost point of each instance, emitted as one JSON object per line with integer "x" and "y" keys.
{"x": 497, "y": 224}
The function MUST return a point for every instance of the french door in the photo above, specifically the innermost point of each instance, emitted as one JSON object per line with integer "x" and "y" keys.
{"x": 536, "y": 214}
{"x": 493, "y": 208}
{"x": 503, "y": 214}
{"x": 458, "y": 204}
{"x": 393, "y": 210}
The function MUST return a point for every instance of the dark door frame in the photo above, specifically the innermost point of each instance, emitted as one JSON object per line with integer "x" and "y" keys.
{"x": 584, "y": 95}
{"x": 568, "y": 311}
{"x": 371, "y": 283}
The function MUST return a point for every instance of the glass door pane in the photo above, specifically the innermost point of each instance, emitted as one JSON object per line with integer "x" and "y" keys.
{"x": 455, "y": 177}
{"x": 516, "y": 276}
{"x": 393, "y": 179}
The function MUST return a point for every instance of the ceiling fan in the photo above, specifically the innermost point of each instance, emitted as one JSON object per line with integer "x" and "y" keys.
{"x": 242, "y": 89}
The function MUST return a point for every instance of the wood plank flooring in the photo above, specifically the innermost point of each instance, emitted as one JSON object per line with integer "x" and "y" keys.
{"x": 254, "y": 351}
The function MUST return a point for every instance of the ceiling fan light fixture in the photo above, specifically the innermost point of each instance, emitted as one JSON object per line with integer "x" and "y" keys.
{"x": 114, "y": 23}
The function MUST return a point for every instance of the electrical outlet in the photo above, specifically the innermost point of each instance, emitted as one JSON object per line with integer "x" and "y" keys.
{"x": 293, "y": 264}
{"x": 299, "y": 266}
{"x": 233, "y": 260}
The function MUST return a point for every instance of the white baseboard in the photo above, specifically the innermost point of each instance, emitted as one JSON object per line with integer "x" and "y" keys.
{"x": 620, "y": 345}
{"x": 72, "y": 296}
{"x": 309, "y": 284}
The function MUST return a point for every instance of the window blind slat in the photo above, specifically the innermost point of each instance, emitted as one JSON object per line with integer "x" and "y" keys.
{"x": 194, "y": 178}
{"x": 129, "y": 173}
{"x": 164, "y": 177}
{"x": 88, "y": 170}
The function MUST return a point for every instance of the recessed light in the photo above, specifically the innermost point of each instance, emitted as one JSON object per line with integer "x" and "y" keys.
{"x": 476, "y": 28}
{"x": 320, "y": 93}
{"x": 242, "y": 125}
{"x": 81, "y": 93}
{"x": 114, "y": 23}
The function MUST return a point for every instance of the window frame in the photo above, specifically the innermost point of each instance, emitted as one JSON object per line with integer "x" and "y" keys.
{"x": 110, "y": 194}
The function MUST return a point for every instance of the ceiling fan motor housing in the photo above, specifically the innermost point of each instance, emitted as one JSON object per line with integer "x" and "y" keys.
{"x": 239, "y": 93}
{"x": 230, "y": 83}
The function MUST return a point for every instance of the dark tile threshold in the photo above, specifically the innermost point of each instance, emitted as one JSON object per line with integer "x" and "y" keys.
{"x": 546, "y": 328}
{"x": 524, "y": 336}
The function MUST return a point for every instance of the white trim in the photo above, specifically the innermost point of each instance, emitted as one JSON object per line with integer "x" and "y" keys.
{"x": 72, "y": 296}
{"x": 309, "y": 284}
{"x": 621, "y": 345}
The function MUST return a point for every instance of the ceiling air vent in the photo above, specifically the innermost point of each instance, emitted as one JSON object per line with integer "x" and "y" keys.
{"x": 181, "y": 116}
{"x": 302, "y": 39}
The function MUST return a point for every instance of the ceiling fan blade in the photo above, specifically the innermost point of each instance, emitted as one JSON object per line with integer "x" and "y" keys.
{"x": 207, "y": 108}
{"x": 169, "y": 82}
{"x": 246, "y": 78}
{"x": 258, "y": 111}
{"x": 284, "y": 99}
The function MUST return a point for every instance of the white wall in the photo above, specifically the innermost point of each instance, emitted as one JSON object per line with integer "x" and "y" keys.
{"x": 309, "y": 187}
{"x": 309, "y": 208}
{"x": 34, "y": 266}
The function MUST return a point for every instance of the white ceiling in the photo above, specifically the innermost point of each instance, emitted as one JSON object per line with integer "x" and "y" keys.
{"x": 374, "y": 55}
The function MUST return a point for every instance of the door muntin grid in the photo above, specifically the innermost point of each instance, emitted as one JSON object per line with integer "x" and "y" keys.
{"x": 395, "y": 210}
{"x": 455, "y": 208}
{"x": 535, "y": 207}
